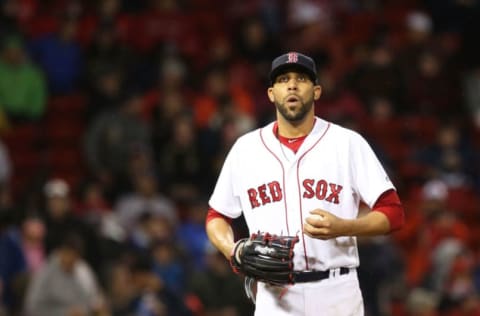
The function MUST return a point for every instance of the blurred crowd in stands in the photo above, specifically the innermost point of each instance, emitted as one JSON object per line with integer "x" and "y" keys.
{"x": 116, "y": 115}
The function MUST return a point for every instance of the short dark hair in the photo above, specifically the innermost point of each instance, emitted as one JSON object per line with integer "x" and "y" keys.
{"x": 72, "y": 241}
{"x": 141, "y": 263}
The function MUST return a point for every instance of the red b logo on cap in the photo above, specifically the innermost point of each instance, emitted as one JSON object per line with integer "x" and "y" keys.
{"x": 292, "y": 57}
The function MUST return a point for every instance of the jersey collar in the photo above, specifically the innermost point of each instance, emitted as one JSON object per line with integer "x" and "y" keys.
{"x": 273, "y": 144}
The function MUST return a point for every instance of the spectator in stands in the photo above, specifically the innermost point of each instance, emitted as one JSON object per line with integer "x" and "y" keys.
{"x": 172, "y": 104}
{"x": 450, "y": 157}
{"x": 108, "y": 11}
{"x": 452, "y": 279}
{"x": 105, "y": 53}
{"x": 171, "y": 95}
{"x": 22, "y": 86}
{"x": 213, "y": 285}
{"x": 94, "y": 208}
{"x": 106, "y": 84}
{"x": 440, "y": 276}
{"x": 60, "y": 221}
{"x": 255, "y": 44}
{"x": 25, "y": 249}
{"x": 148, "y": 230}
{"x": 419, "y": 38}
{"x": 221, "y": 114}
{"x": 173, "y": 74}
{"x": 460, "y": 295}
{"x": 92, "y": 204}
{"x": 191, "y": 234}
{"x": 29, "y": 236}
{"x": 382, "y": 130}
{"x": 421, "y": 302}
{"x": 118, "y": 286}
{"x": 145, "y": 198}
{"x": 169, "y": 265}
{"x": 434, "y": 225}
{"x": 222, "y": 139}
{"x": 180, "y": 160}
{"x": 104, "y": 13}
{"x": 252, "y": 48}
{"x": 112, "y": 139}
{"x": 428, "y": 77}
{"x": 60, "y": 57}
{"x": 471, "y": 88}
{"x": 152, "y": 297}
{"x": 13, "y": 266}
{"x": 8, "y": 17}
{"x": 32, "y": 236}
{"x": 221, "y": 52}
{"x": 5, "y": 165}
{"x": 220, "y": 101}
{"x": 379, "y": 76}
{"x": 337, "y": 102}
{"x": 310, "y": 25}
{"x": 66, "y": 285}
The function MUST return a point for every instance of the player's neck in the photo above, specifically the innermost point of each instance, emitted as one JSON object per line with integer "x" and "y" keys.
{"x": 292, "y": 130}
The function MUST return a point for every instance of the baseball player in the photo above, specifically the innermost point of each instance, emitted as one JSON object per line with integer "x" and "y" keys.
{"x": 304, "y": 176}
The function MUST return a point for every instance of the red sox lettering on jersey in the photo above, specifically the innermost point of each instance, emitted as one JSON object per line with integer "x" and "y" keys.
{"x": 271, "y": 192}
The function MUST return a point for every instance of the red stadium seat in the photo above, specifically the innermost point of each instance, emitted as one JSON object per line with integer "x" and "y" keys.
{"x": 422, "y": 129}
{"x": 60, "y": 131}
{"x": 74, "y": 104}
{"x": 64, "y": 158}
{"x": 23, "y": 136}
{"x": 465, "y": 203}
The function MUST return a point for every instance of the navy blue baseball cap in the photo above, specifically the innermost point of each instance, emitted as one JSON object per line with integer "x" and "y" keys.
{"x": 293, "y": 61}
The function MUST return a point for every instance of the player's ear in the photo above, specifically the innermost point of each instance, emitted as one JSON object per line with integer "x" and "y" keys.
{"x": 270, "y": 94}
{"x": 317, "y": 92}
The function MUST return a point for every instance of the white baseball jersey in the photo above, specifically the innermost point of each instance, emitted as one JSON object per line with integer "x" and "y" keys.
{"x": 334, "y": 169}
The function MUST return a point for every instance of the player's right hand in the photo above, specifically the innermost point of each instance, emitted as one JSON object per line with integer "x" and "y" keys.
{"x": 324, "y": 225}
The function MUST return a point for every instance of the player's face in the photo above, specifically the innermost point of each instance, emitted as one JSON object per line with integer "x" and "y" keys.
{"x": 294, "y": 94}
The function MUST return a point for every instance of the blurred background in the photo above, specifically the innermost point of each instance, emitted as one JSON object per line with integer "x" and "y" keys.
{"x": 116, "y": 115}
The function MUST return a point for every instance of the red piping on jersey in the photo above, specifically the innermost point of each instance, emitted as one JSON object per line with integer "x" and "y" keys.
{"x": 283, "y": 179}
{"x": 300, "y": 193}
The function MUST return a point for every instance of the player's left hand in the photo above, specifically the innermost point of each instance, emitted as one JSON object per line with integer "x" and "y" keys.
{"x": 324, "y": 225}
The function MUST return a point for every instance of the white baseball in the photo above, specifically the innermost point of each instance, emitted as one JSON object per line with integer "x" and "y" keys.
{"x": 316, "y": 217}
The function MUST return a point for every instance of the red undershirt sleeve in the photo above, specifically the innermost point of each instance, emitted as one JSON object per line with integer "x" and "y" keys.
{"x": 211, "y": 214}
{"x": 389, "y": 204}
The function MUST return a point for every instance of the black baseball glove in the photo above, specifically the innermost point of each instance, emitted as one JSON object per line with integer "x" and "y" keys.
{"x": 265, "y": 257}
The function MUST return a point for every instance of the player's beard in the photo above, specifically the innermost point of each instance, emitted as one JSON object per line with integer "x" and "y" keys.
{"x": 296, "y": 115}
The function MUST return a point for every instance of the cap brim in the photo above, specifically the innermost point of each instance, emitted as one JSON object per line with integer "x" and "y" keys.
{"x": 295, "y": 67}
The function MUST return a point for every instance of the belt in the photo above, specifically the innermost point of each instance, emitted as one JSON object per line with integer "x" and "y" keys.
{"x": 311, "y": 276}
